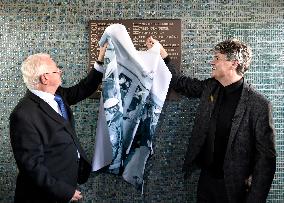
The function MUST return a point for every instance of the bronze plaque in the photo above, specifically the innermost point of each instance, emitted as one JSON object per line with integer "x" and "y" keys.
{"x": 166, "y": 31}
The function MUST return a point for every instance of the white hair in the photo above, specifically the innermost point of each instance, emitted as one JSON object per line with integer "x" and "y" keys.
{"x": 32, "y": 68}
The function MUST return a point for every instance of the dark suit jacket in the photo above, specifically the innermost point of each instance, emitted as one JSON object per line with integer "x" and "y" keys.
{"x": 251, "y": 146}
{"x": 45, "y": 145}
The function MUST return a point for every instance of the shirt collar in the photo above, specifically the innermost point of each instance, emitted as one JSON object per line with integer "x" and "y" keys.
{"x": 43, "y": 95}
{"x": 234, "y": 86}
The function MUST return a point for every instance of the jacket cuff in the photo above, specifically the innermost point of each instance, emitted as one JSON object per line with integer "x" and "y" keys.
{"x": 167, "y": 59}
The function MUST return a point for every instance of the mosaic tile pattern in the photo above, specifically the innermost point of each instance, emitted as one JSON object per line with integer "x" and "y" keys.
{"x": 60, "y": 27}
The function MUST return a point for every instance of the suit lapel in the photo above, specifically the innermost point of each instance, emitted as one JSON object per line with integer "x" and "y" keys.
{"x": 51, "y": 113}
{"x": 55, "y": 116}
{"x": 238, "y": 117}
{"x": 208, "y": 101}
{"x": 213, "y": 99}
{"x": 45, "y": 107}
{"x": 69, "y": 126}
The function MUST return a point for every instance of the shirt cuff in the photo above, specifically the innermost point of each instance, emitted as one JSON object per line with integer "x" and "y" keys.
{"x": 99, "y": 68}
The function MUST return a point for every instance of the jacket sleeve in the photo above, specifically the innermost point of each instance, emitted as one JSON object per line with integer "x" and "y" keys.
{"x": 28, "y": 152}
{"x": 189, "y": 87}
{"x": 265, "y": 157}
{"x": 85, "y": 88}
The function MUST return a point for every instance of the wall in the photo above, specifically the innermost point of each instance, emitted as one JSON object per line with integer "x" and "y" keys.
{"x": 60, "y": 28}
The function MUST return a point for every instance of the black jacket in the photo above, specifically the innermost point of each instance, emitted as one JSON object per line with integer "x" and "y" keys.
{"x": 45, "y": 145}
{"x": 251, "y": 145}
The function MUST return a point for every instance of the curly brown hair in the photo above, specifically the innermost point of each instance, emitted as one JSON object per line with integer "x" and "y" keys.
{"x": 236, "y": 50}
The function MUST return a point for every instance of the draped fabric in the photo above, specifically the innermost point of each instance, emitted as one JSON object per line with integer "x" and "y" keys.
{"x": 135, "y": 86}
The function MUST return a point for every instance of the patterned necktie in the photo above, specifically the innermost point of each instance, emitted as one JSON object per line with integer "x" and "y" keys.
{"x": 60, "y": 102}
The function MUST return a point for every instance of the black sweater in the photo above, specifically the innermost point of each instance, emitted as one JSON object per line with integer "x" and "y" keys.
{"x": 224, "y": 111}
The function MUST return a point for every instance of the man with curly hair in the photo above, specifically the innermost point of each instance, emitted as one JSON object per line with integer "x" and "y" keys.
{"x": 233, "y": 139}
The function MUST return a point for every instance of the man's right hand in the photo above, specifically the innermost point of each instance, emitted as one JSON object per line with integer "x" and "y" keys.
{"x": 77, "y": 196}
{"x": 150, "y": 41}
{"x": 102, "y": 52}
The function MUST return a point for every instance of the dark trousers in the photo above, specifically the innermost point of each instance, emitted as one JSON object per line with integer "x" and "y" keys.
{"x": 211, "y": 189}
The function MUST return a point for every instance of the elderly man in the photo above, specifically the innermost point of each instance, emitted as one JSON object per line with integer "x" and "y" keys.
{"x": 47, "y": 151}
{"x": 233, "y": 139}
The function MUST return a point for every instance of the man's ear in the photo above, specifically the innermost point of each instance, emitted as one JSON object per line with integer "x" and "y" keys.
{"x": 43, "y": 79}
{"x": 235, "y": 64}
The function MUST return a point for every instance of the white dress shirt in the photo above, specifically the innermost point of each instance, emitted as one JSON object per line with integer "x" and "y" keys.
{"x": 99, "y": 68}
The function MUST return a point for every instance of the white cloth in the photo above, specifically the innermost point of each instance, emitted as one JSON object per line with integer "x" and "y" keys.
{"x": 135, "y": 86}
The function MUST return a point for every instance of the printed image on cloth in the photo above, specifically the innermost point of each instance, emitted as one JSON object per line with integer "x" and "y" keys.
{"x": 135, "y": 86}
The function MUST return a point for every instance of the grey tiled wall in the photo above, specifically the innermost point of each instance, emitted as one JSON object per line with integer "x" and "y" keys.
{"x": 60, "y": 28}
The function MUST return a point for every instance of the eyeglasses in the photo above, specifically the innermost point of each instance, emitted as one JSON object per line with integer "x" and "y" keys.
{"x": 58, "y": 71}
